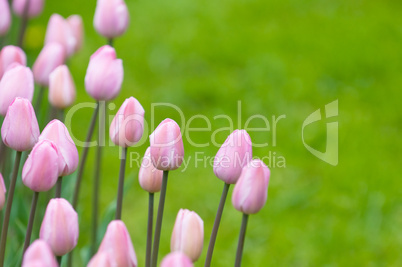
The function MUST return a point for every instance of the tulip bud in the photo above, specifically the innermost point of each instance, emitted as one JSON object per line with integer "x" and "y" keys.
{"x": 60, "y": 226}
{"x": 16, "y": 82}
{"x": 39, "y": 254}
{"x": 34, "y": 9}
{"x": 101, "y": 260}
{"x": 128, "y": 124}
{"x": 233, "y": 155}
{"x": 77, "y": 27}
{"x": 104, "y": 74}
{"x": 117, "y": 242}
{"x": 176, "y": 259}
{"x": 20, "y": 129}
{"x": 188, "y": 234}
{"x": 250, "y": 192}
{"x": 61, "y": 88}
{"x": 111, "y": 18}
{"x": 167, "y": 149}
{"x": 11, "y": 54}
{"x": 5, "y": 17}
{"x": 2, "y": 192}
{"x": 59, "y": 31}
{"x": 149, "y": 177}
{"x": 42, "y": 167}
{"x": 51, "y": 56}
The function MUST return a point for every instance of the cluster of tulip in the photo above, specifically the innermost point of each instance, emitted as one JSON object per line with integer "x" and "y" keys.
{"x": 54, "y": 155}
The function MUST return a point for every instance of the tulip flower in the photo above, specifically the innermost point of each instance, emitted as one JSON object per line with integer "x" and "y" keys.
{"x": 51, "y": 56}
{"x": 77, "y": 27}
{"x": 117, "y": 242}
{"x": 39, "y": 254}
{"x": 34, "y": 9}
{"x": 60, "y": 226}
{"x": 188, "y": 234}
{"x": 111, "y": 18}
{"x": 59, "y": 31}
{"x": 11, "y": 54}
{"x": 61, "y": 88}
{"x": 17, "y": 81}
{"x": 5, "y": 17}
{"x": 104, "y": 74}
{"x": 176, "y": 259}
{"x": 3, "y": 191}
{"x": 101, "y": 260}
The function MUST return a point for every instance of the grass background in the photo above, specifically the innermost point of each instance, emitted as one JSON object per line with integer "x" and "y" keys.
{"x": 276, "y": 57}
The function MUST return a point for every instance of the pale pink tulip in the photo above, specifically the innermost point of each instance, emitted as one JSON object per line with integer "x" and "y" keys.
{"x": 51, "y": 56}
{"x": 34, "y": 9}
{"x": 176, "y": 259}
{"x": 61, "y": 88}
{"x": 111, "y": 18}
{"x": 5, "y": 17}
{"x": 101, "y": 260}
{"x": 76, "y": 25}
{"x": 149, "y": 177}
{"x": 59, "y": 31}
{"x": 39, "y": 254}
{"x": 11, "y": 54}
{"x": 2, "y": 192}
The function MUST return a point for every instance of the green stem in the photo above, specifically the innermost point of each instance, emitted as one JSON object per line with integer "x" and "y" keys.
{"x": 216, "y": 225}
{"x": 30, "y": 221}
{"x": 24, "y": 23}
{"x": 120, "y": 191}
{"x": 10, "y": 197}
{"x": 39, "y": 99}
{"x": 159, "y": 218}
{"x": 149, "y": 230}
{"x": 58, "y": 187}
{"x": 110, "y": 42}
{"x": 58, "y": 258}
{"x": 240, "y": 245}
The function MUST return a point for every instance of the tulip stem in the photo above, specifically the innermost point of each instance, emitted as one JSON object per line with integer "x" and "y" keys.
{"x": 242, "y": 235}
{"x": 58, "y": 187}
{"x": 10, "y": 197}
{"x": 120, "y": 191}
{"x": 24, "y": 23}
{"x": 159, "y": 217}
{"x": 58, "y": 258}
{"x": 38, "y": 101}
{"x": 110, "y": 42}
{"x": 216, "y": 225}
{"x": 30, "y": 221}
{"x": 149, "y": 230}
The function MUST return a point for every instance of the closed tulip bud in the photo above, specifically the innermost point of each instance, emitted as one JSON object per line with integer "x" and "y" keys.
{"x": 59, "y": 31}
{"x": 104, "y": 74}
{"x": 16, "y": 82}
{"x": 233, "y": 155}
{"x": 176, "y": 259}
{"x": 117, "y": 242}
{"x": 128, "y": 124}
{"x": 34, "y": 9}
{"x": 149, "y": 177}
{"x": 250, "y": 192}
{"x": 61, "y": 88}
{"x": 60, "y": 226}
{"x": 188, "y": 234}
{"x": 167, "y": 149}
{"x": 111, "y": 18}
{"x": 101, "y": 260}
{"x": 20, "y": 129}
{"x": 51, "y": 56}
{"x": 2, "y": 192}
{"x": 77, "y": 27}
{"x": 11, "y": 54}
{"x": 39, "y": 254}
{"x": 5, "y": 17}
{"x": 42, "y": 167}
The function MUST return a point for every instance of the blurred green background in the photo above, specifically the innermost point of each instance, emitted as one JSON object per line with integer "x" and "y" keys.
{"x": 278, "y": 58}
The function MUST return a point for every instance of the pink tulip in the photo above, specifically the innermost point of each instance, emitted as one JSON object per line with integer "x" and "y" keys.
{"x": 11, "y": 54}
{"x": 188, "y": 234}
{"x": 20, "y": 129}
{"x": 61, "y": 88}
{"x": 34, "y": 9}
{"x": 51, "y": 56}
{"x": 77, "y": 27}
{"x": 59, "y": 31}
{"x": 104, "y": 74}
{"x": 2, "y": 192}
{"x": 117, "y": 243}
{"x": 101, "y": 260}
{"x": 128, "y": 124}
{"x": 39, "y": 254}
{"x": 234, "y": 154}
{"x": 57, "y": 132}
{"x": 250, "y": 192}
{"x": 16, "y": 82}
{"x": 60, "y": 226}
{"x": 149, "y": 177}
{"x": 5, "y": 17}
{"x": 42, "y": 167}
{"x": 176, "y": 259}
{"x": 111, "y": 18}
{"x": 167, "y": 149}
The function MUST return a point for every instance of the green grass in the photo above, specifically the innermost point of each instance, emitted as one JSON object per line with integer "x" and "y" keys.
{"x": 277, "y": 57}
